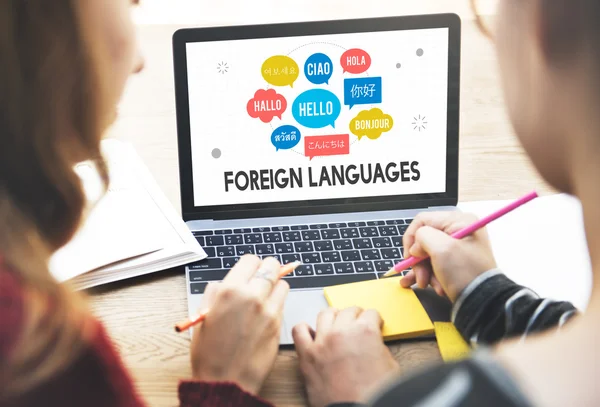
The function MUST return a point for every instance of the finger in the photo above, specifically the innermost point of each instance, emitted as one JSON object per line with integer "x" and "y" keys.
{"x": 422, "y": 219}
{"x": 266, "y": 277}
{"x": 276, "y": 300}
{"x": 408, "y": 280}
{"x": 422, "y": 275}
{"x": 371, "y": 317}
{"x": 302, "y": 338}
{"x": 434, "y": 241}
{"x": 325, "y": 320}
{"x": 243, "y": 270}
{"x": 448, "y": 222}
{"x": 407, "y": 249}
{"x": 417, "y": 251}
{"x": 347, "y": 316}
{"x": 208, "y": 298}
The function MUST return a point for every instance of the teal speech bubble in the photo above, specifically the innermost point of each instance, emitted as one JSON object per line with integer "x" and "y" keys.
{"x": 316, "y": 108}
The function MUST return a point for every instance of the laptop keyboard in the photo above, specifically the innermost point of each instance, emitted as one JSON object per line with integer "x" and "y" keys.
{"x": 332, "y": 254}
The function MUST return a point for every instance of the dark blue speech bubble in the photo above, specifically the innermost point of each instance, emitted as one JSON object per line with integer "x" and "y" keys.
{"x": 316, "y": 108}
{"x": 362, "y": 91}
{"x": 285, "y": 137}
{"x": 318, "y": 68}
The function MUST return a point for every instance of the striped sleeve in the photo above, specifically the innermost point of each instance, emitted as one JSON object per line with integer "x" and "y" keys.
{"x": 493, "y": 308}
{"x": 475, "y": 382}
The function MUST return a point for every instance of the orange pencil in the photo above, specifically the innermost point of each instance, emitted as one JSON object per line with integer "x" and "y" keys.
{"x": 185, "y": 325}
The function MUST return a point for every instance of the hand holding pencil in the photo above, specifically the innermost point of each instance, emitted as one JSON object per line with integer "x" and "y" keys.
{"x": 239, "y": 338}
{"x": 187, "y": 324}
{"x": 457, "y": 246}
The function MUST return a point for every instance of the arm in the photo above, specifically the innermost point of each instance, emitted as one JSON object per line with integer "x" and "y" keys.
{"x": 345, "y": 361}
{"x": 97, "y": 377}
{"x": 471, "y": 383}
{"x": 492, "y": 307}
{"x": 488, "y": 306}
{"x": 196, "y": 394}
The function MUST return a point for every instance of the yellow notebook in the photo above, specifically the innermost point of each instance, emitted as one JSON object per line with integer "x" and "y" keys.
{"x": 452, "y": 345}
{"x": 403, "y": 315}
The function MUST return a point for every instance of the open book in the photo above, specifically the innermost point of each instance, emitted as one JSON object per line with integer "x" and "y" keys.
{"x": 132, "y": 230}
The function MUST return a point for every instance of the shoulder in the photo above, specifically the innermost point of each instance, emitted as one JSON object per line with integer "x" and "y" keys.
{"x": 469, "y": 383}
{"x": 11, "y": 308}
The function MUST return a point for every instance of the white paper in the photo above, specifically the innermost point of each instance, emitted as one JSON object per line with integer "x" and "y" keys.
{"x": 120, "y": 226}
{"x": 542, "y": 245}
{"x": 133, "y": 230}
{"x": 111, "y": 233}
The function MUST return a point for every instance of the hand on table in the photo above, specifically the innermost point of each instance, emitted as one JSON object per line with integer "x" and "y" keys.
{"x": 239, "y": 340}
{"x": 453, "y": 263}
{"x": 345, "y": 360}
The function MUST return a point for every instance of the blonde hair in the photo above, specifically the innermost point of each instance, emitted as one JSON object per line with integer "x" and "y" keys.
{"x": 51, "y": 106}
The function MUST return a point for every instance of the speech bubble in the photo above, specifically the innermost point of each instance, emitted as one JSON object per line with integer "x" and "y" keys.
{"x": 285, "y": 137}
{"x": 280, "y": 70}
{"x": 318, "y": 68}
{"x": 355, "y": 61}
{"x": 266, "y": 104}
{"x": 316, "y": 108}
{"x": 320, "y": 146}
{"x": 362, "y": 91}
{"x": 371, "y": 123}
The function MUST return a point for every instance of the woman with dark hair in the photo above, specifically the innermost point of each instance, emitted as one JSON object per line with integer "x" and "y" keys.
{"x": 532, "y": 351}
{"x": 63, "y": 67}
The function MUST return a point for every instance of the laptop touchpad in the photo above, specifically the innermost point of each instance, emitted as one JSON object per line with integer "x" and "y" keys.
{"x": 301, "y": 306}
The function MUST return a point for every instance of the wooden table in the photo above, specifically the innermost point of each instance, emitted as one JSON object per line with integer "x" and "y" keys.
{"x": 140, "y": 313}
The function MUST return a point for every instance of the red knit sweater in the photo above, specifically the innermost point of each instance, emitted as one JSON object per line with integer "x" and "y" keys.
{"x": 97, "y": 378}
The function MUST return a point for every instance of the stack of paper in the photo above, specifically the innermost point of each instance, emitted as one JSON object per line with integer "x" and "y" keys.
{"x": 131, "y": 231}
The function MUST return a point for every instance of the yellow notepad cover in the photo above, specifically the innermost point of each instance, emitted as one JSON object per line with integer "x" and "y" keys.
{"x": 403, "y": 315}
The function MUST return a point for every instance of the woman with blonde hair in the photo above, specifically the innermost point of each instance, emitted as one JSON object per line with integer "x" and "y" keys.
{"x": 63, "y": 67}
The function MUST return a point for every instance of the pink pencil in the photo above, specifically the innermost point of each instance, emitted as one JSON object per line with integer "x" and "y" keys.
{"x": 411, "y": 261}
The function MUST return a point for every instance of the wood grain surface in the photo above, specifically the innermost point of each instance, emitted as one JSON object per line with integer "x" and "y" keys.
{"x": 140, "y": 313}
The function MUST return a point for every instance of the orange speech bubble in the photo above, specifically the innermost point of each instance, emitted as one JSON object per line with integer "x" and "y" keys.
{"x": 355, "y": 61}
{"x": 266, "y": 104}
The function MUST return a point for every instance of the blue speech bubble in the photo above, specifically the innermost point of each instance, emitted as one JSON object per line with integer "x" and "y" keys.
{"x": 316, "y": 108}
{"x": 362, "y": 91}
{"x": 285, "y": 137}
{"x": 318, "y": 68}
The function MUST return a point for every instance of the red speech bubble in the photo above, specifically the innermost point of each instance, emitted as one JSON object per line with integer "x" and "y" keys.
{"x": 355, "y": 61}
{"x": 266, "y": 104}
{"x": 319, "y": 146}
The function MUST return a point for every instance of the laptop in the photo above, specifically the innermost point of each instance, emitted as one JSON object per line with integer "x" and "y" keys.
{"x": 315, "y": 141}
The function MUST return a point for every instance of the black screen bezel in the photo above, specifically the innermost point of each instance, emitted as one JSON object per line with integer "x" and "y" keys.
{"x": 308, "y": 207}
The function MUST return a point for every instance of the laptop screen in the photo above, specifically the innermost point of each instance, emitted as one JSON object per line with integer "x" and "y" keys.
{"x": 318, "y": 117}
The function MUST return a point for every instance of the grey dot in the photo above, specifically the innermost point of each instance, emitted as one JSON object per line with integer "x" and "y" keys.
{"x": 398, "y": 65}
{"x": 420, "y": 52}
{"x": 216, "y": 153}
